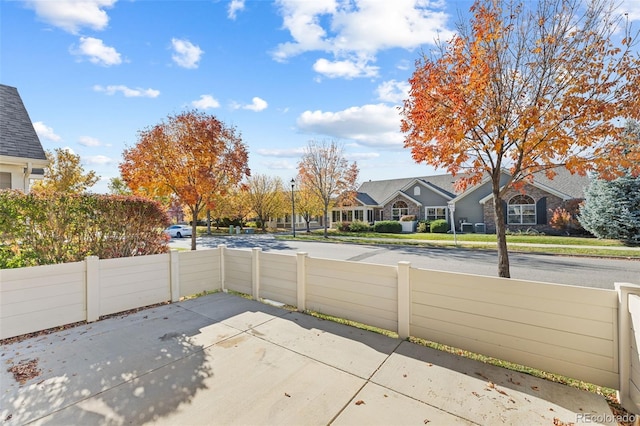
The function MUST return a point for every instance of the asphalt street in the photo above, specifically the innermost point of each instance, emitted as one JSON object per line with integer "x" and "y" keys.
{"x": 582, "y": 271}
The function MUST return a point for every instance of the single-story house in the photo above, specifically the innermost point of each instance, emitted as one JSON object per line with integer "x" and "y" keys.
{"x": 22, "y": 158}
{"x": 430, "y": 197}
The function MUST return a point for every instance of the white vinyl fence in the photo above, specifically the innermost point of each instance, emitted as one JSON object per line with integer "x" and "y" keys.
{"x": 585, "y": 333}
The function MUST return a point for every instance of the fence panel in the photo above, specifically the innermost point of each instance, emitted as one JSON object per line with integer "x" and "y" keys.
{"x": 278, "y": 277}
{"x": 557, "y": 328}
{"x": 41, "y": 297}
{"x": 634, "y": 381}
{"x": 361, "y": 292}
{"x": 132, "y": 282}
{"x": 199, "y": 271}
{"x": 237, "y": 270}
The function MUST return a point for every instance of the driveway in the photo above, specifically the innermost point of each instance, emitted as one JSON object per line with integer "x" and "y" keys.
{"x": 581, "y": 271}
{"x": 225, "y": 360}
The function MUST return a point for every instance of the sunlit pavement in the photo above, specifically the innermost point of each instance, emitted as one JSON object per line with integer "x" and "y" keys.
{"x": 222, "y": 359}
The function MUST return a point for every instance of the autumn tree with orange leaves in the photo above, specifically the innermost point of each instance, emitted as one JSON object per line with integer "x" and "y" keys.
{"x": 308, "y": 204}
{"x": 525, "y": 88}
{"x": 325, "y": 171}
{"x": 191, "y": 155}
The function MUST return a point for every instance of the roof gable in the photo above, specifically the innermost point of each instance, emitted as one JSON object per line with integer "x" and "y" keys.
{"x": 427, "y": 185}
{"x": 565, "y": 185}
{"x": 402, "y": 194}
{"x": 381, "y": 190}
{"x": 18, "y": 138}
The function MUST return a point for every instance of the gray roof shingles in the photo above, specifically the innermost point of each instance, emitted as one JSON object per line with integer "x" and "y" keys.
{"x": 376, "y": 192}
{"x": 18, "y": 138}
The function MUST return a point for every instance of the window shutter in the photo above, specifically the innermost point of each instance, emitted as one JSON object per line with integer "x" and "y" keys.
{"x": 541, "y": 211}
{"x": 505, "y": 211}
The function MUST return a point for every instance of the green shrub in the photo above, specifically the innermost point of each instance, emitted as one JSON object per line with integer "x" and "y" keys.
{"x": 424, "y": 226}
{"x": 439, "y": 226}
{"x": 342, "y": 226}
{"x": 388, "y": 227}
{"x": 41, "y": 229}
{"x": 359, "y": 226}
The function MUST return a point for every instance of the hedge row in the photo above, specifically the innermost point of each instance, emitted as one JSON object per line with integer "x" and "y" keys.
{"x": 37, "y": 229}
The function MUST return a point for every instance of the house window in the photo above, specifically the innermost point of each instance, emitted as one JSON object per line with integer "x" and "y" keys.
{"x": 435, "y": 213}
{"x": 5, "y": 180}
{"x": 521, "y": 210}
{"x": 347, "y": 215}
{"x": 398, "y": 210}
{"x": 358, "y": 215}
{"x": 335, "y": 216}
{"x": 416, "y": 190}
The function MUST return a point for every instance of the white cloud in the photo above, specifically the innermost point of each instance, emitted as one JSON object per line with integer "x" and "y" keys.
{"x": 46, "y": 132}
{"x": 302, "y": 19}
{"x": 127, "y": 92}
{"x": 279, "y": 165}
{"x": 71, "y": 15}
{"x": 257, "y": 104}
{"x": 98, "y": 159}
{"x": 346, "y": 69}
{"x": 187, "y": 54}
{"x": 369, "y": 125}
{"x": 358, "y": 29}
{"x": 393, "y": 91}
{"x": 359, "y": 156}
{"x": 97, "y": 52}
{"x": 88, "y": 141}
{"x": 287, "y": 153}
{"x": 632, "y": 8}
{"x": 235, "y": 6}
{"x": 206, "y": 102}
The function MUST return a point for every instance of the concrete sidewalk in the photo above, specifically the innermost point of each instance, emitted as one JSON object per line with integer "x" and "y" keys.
{"x": 493, "y": 244}
{"x": 222, "y": 359}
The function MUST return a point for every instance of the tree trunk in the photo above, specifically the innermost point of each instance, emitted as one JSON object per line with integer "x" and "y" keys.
{"x": 503, "y": 254}
{"x": 326, "y": 219}
{"x": 194, "y": 224}
{"x": 208, "y": 222}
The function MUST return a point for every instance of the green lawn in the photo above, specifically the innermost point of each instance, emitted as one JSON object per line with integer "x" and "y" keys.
{"x": 489, "y": 238}
{"x": 550, "y": 244}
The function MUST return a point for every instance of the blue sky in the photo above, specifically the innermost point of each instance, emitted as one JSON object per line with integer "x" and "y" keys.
{"x": 93, "y": 73}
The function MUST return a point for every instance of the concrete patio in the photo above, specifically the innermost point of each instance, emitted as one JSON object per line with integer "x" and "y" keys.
{"x": 221, "y": 359}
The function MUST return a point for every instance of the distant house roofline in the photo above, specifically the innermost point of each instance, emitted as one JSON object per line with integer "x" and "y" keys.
{"x": 428, "y": 185}
{"x": 18, "y": 137}
{"x": 541, "y": 186}
{"x": 399, "y": 192}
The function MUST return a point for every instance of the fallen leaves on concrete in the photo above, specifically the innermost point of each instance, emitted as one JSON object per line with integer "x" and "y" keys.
{"x": 25, "y": 370}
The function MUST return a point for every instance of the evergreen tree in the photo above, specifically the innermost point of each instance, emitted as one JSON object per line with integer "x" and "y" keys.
{"x": 612, "y": 209}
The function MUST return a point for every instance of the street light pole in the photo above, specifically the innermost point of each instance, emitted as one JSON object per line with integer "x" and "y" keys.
{"x": 452, "y": 208}
{"x": 293, "y": 207}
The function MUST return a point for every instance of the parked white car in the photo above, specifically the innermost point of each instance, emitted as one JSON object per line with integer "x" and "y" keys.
{"x": 178, "y": 231}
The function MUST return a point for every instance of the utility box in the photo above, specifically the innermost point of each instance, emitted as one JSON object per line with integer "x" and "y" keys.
{"x": 466, "y": 227}
{"x": 231, "y": 229}
{"x": 480, "y": 228}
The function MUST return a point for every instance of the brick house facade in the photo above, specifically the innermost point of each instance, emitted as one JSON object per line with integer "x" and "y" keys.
{"x": 542, "y": 199}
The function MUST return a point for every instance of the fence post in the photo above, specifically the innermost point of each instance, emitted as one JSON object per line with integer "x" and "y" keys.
{"x": 404, "y": 299}
{"x": 301, "y": 280}
{"x": 624, "y": 345}
{"x": 255, "y": 272}
{"x": 222, "y": 248}
{"x": 92, "y": 266}
{"x": 174, "y": 276}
